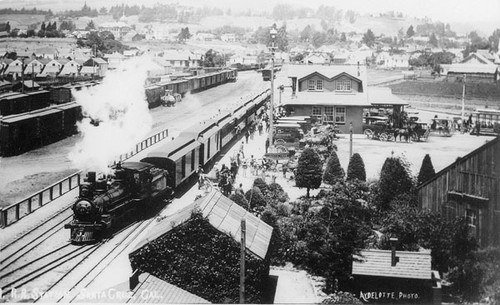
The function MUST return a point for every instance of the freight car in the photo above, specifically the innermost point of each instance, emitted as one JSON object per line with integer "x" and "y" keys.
{"x": 22, "y": 132}
{"x": 135, "y": 187}
{"x": 15, "y": 102}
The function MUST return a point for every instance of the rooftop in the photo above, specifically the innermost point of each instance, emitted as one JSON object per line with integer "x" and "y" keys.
{"x": 225, "y": 216}
{"x": 411, "y": 265}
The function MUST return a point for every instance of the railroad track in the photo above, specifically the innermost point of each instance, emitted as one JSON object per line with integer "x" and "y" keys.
{"x": 83, "y": 277}
{"x": 30, "y": 271}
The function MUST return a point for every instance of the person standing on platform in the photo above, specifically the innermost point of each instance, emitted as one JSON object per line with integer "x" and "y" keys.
{"x": 242, "y": 149}
{"x": 247, "y": 135}
{"x": 260, "y": 128}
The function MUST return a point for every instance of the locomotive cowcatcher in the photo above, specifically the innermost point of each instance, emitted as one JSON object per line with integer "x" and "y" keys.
{"x": 104, "y": 202}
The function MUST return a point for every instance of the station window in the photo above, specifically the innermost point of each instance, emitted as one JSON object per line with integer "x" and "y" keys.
{"x": 340, "y": 115}
{"x": 183, "y": 166}
{"x": 343, "y": 85}
{"x": 192, "y": 160}
{"x": 316, "y": 112}
{"x": 311, "y": 84}
{"x": 329, "y": 114}
{"x": 319, "y": 84}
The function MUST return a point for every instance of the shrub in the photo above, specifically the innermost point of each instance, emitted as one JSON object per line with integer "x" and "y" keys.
{"x": 309, "y": 170}
{"x": 395, "y": 179}
{"x": 261, "y": 184}
{"x": 356, "y": 168}
{"x": 427, "y": 171}
{"x": 333, "y": 170}
{"x": 256, "y": 200}
{"x": 240, "y": 200}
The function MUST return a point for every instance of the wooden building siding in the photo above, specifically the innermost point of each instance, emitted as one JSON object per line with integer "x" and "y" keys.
{"x": 469, "y": 185}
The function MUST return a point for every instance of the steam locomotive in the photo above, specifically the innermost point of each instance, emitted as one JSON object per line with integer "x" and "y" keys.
{"x": 103, "y": 201}
{"x": 136, "y": 187}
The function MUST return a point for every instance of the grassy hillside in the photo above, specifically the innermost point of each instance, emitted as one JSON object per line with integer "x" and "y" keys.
{"x": 21, "y": 21}
{"x": 486, "y": 91}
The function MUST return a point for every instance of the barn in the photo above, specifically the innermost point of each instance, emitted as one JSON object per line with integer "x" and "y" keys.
{"x": 469, "y": 187}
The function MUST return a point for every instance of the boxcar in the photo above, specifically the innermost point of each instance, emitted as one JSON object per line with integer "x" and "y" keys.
{"x": 153, "y": 95}
{"x": 60, "y": 94}
{"x": 18, "y": 134}
{"x": 14, "y": 103}
{"x": 72, "y": 113}
{"x": 38, "y": 99}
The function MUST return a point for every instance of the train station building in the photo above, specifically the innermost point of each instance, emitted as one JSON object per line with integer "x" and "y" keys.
{"x": 335, "y": 94}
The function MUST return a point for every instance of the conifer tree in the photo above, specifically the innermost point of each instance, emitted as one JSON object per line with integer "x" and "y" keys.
{"x": 394, "y": 180}
{"x": 356, "y": 168}
{"x": 333, "y": 170}
{"x": 426, "y": 170}
{"x": 309, "y": 170}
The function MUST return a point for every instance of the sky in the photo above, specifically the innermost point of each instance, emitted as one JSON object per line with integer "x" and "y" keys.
{"x": 448, "y": 11}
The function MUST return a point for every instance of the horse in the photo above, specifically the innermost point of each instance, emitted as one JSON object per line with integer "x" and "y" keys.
{"x": 402, "y": 132}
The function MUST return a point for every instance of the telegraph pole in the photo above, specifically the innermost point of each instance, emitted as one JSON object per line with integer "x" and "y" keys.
{"x": 463, "y": 105}
{"x": 273, "y": 34}
{"x": 242, "y": 261}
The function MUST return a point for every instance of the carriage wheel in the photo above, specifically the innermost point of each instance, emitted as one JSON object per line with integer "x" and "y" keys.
{"x": 368, "y": 133}
{"x": 414, "y": 136}
{"x": 391, "y": 137}
{"x": 426, "y": 135}
{"x": 383, "y": 136}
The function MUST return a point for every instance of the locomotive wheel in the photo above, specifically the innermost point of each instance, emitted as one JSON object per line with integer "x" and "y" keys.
{"x": 369, "y": 133}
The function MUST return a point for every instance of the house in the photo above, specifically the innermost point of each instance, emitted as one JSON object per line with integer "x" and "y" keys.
{"x": 209, "y": 229}
{"x": 333, "y": 94}
{"x": 130, "y": 53}
{"x": 181, "y": 59}
{"x": 70, "y": 69}
{"x": 51, "y": 69}
{"x": 479, "y": 58}
{"x": 228, "y": 37}
{"x": 14, "y": 70}
{"x": 46, "y": 52}
{"x": 118, "y": 29}
{"x": 469, "y": 187}
{"x": 317, "y": 58}
{"x": 114, "y": 60}
{"x": 35, "y": 67}
{"x": 395, "y": 277}
{"x": 203, "y": 37}
{"x": 473, "y": 72}
{"x": 98, "y": 66}
{"x": 393, "y": 61}
{"x": 4, "y": 64}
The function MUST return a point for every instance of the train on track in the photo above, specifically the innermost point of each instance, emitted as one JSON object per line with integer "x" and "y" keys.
{"x": 135, "y": 187}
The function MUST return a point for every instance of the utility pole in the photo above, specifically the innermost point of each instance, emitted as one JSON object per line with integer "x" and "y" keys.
{"x": 242, "y": 261}
{"x": 273, "y": 34}
{"x": 350, "y": 141}
{"x": 463, "y": 105}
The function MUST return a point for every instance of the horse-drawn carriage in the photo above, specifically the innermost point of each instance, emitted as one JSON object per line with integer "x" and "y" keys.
{"x": 379, "y": 128}
{"x": 442, "y": 126}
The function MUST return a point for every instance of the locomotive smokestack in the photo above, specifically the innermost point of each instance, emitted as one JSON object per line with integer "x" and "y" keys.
{"x": 91, "y": 177}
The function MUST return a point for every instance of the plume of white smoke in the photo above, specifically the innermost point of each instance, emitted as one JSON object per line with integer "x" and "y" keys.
{"x": 119, "y": 106}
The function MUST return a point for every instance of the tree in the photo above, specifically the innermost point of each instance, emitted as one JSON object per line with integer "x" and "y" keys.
{"x": 368, "y": 38}
{"x": 494, "y": 40}
{"x": 213, "y": 58}
{"x": 426, "y": 170}
{"x": 184, "y": 34}
{"x": 103, "y": 11}
{"x": 306, "y": 34}
{"x": 395, "y": 179}
{"x": 333, "y": 171}
{"x": 42, "y": 27}
{"x": 318, "y": 39}
{"x": 90, "y": 26}
{"x": 309, "y": 170}
{"x": 433, "y": 40}
{"x": 256, "y": 200}
{"x": 343, "y": 38}
{"x": 240, "y": 200}
{"x": 356, "y": 168}
{"x": 7, "y": 27}
{"x": 410, "y": 32}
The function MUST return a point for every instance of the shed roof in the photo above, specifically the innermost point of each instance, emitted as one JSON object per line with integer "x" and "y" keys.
{"x": 225, "y": 216}
{"x": 411, "y": 265}
{"x": 470, "y": 68}
{"x": 329, "y": 99}
{"x": 383, "y": 96}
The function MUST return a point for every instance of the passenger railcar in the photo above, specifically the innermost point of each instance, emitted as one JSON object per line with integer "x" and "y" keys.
{"x": 101, "y": 204}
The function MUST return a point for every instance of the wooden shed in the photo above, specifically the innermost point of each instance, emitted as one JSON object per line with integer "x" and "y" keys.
{"x": 469, "y": 187}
